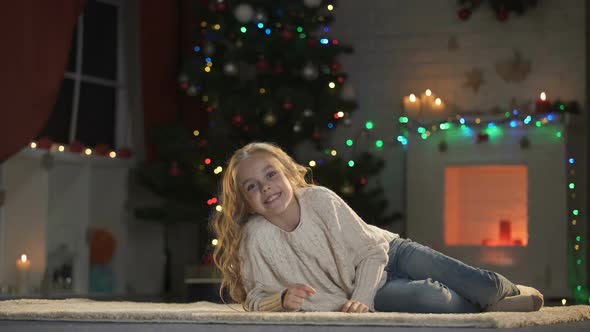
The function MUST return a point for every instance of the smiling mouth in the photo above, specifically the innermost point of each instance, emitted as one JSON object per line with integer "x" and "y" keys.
{"x": 272, "y": 198}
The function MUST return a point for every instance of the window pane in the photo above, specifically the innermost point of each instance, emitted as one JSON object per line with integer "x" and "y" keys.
{"x": 96, "y": 115}
{"x": 58, "y": 125}
{"x": 73, "y": 51}
{"x": 100, "y": 40}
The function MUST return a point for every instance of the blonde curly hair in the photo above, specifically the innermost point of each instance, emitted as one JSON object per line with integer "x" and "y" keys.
{"x": 227, "y": 224}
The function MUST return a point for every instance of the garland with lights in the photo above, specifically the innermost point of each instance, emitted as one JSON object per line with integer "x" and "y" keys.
{"x": 486, "y": 126}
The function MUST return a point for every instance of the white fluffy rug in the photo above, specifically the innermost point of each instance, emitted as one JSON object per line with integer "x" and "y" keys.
{"x": 205, "y": 312}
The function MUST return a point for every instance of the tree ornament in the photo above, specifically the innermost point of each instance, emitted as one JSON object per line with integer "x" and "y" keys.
{"x": 278, "y": 69}
{"x": 347, "y": 93}
{"x": 309, "y": 72}
{"x": 237, "y": 120}
{"x": 287, "y": 105}
{"x": 525, "y": 143}
{"x": 262, "y": 65}
{"x": 313, "y": 42}
{"x": 183, "y": 78}
{"x": 221, "y": 6}
{"x": 244, "y": 13}
{"x": 443, "y": 146}
{"x": 312, "y": 3}
{"x": 286, "y": 35}
{"x": 347, "y": 189}
{"x": 209, "y": 49}
{"x": 261, "y": 16}
{"x": 47, "y": 161}
{"x": 230, "y": 69}
{"x": 174, "y": 170}
{"x": 316, "y": 136}
{"x": 192, "y": 90}
{"x": 270, "y": 119}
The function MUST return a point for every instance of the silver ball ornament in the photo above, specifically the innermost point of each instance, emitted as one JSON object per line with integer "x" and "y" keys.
{"x": 244, "y": 13}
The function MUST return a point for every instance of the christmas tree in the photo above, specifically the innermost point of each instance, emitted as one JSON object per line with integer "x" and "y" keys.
{"x": 261, "y": 71}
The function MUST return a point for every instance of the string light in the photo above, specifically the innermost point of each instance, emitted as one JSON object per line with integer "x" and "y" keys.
{"x": 214, "y": 242}
{"x": 61, "y": 148}
{"x": 88, "y": 151}
{"x": 112, "y": 154}
{"x": 312, "y": 163}
{"x": 33, "y": 145}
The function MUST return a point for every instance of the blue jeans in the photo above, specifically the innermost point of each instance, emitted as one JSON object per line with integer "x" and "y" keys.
{"x": 420, "y": 279}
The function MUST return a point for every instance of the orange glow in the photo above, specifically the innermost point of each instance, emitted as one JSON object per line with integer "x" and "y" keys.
{"x": 486, "y": 205}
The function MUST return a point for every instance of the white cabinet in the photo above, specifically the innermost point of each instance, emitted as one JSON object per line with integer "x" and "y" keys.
{"x": 53, "y": 201}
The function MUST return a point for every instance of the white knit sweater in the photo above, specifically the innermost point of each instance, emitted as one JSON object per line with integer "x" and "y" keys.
{"x": 332, "y": 249}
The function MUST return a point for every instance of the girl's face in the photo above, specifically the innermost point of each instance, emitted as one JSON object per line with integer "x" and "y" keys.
{"x": 266, "y": 188}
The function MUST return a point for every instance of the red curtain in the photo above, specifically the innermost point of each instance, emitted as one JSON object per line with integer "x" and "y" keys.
{"x": 167, "y": 36}
{"x": 36, "y": 38}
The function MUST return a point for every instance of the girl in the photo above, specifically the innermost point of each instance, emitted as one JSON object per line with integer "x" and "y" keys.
{"x": 286, "y": 245}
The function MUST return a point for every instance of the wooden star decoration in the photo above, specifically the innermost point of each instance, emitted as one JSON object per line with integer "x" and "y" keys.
{"x": 515, "y": 69}
{"x": 474, "y": 79}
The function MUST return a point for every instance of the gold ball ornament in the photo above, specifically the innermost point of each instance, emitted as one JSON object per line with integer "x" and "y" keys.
{"x": 270, "y": 119}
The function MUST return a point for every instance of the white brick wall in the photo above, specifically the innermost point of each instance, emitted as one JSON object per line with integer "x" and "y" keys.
{"x": 402, "y": 47}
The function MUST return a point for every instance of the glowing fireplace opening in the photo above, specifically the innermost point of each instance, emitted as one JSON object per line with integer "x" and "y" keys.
{"x": 486, "y": 205}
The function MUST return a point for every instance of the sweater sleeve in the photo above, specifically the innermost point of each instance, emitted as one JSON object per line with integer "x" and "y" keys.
{"x": 257, "y": 296}
{"x": 368, "y": 246}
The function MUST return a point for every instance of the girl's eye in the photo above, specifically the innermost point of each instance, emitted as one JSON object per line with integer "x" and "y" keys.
{"x": 271, "y": 174}
{"x": 250, "y": 187}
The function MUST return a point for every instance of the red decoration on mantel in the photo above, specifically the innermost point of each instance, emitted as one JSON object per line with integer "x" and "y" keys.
{"x": 124, "y": 153}
{"x": 76, "y": 147}
{"x": 464, "y": 14}
{"x": 45, "y": 143}
{"x": 101, "y": 149}
{"x": 483, "y": 138}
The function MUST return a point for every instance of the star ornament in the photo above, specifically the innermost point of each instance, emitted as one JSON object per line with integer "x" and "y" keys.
{"x": 474, "y": 79}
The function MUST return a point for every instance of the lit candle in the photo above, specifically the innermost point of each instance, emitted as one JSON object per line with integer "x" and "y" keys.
{"x": 23, "y": 266}
{"x": 438, "y": 105}
{"x": 543, "y": 105}
{"x": 427, "y": 101}
{"x": 412, "y": 105}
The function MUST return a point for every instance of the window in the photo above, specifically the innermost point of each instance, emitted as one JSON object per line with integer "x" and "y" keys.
{"x": 90, "y": 102}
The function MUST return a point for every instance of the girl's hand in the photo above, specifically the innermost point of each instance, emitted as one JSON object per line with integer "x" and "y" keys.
{"x": 354, "y": 306}
{"x": 295, "y": 295}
